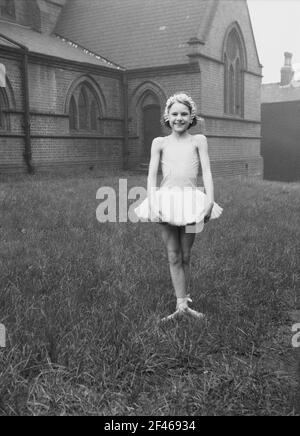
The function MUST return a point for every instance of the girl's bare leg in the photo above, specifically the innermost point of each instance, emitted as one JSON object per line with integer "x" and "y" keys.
{"x": 171, "y": 238}
{"x": 186, "y": 243}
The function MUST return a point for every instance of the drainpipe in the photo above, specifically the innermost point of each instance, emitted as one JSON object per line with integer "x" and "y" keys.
{"x": 27, "y": 126}
{"x": 125, "y": 124}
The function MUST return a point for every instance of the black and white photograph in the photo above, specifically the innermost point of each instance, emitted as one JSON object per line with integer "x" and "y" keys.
{"x": 149, "y": 210}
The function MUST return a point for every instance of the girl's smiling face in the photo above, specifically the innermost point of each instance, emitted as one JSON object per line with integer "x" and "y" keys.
{"x": 179, "y": 117}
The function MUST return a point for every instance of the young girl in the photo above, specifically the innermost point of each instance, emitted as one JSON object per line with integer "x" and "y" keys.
{"x": 179, "y": 206}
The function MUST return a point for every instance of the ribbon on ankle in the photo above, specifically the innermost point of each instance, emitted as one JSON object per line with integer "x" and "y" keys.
{"x": 186, "y": 299}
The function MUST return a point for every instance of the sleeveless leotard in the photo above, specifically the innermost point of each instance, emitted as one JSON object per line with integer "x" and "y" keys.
{"x": 180, "y": 165}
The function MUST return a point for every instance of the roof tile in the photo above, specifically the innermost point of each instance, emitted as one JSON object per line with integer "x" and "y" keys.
{"x": 48, "y": 45}
{"x": 135, "y": 33}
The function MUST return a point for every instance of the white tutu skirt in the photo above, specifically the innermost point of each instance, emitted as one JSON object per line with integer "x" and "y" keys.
{"x": 177, "y": 206}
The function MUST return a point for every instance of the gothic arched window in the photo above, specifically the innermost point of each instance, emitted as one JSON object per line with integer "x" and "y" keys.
{"x": 234, "y": 64}
{"x": 7, "y": 9}
{"x": 84, "y": 113}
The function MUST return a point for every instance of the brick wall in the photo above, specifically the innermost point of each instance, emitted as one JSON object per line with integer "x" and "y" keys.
{"x": 87, "y": 153}
{"x": 49, "y": 13}
{"x": 11, "y": 154}
{"x": 52, "y": 142}
{"x": 252, "y": 97}
{"x": 27, "y": 12}
{"x": 212, "y": 91}
{"x": 40, "y": 15}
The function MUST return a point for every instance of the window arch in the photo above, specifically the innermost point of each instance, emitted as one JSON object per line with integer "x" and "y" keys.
{"x": 7, "y": 9}
{"x": 3, "y": 107}
{"x": 84, "y": 109}
{"x": 234, "y": 65}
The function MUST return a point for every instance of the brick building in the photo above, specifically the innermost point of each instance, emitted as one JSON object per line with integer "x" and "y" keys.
{"x": 87, "y": 80}
{"x": 281, "y": 125}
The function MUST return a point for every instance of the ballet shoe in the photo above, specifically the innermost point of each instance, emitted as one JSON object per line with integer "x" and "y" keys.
{"x": 182, "y": 308}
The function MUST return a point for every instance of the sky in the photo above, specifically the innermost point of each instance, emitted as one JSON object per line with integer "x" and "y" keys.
{"x": 276, "y": 26}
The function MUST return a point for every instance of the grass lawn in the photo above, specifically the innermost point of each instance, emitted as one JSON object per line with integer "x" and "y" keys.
{"x": 81, "y": 301}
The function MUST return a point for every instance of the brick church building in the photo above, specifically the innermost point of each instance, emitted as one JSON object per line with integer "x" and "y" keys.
{"x": 84, "y": 82}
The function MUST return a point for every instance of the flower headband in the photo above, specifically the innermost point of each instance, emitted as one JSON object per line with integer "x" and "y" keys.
{"x": 181, "y": 98}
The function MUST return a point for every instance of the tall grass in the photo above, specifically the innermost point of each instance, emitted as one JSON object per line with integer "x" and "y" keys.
{"x": 81, "y": 303}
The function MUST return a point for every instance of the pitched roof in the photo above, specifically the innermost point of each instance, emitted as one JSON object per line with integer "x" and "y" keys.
{"x": 136, "y": 33}
{"x": 47, "y": 45}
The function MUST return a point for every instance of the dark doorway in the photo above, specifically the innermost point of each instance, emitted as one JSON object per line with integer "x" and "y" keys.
{"x": 152, "y": 128}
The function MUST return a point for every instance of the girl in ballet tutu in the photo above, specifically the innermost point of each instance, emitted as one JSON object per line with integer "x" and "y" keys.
{"x": 178, "y": 204}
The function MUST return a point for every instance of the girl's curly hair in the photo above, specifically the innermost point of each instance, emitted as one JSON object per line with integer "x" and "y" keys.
{"x": 183, "y": 99}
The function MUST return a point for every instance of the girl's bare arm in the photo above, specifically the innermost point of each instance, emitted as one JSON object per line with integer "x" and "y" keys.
{"x": 153, "y": 168}
{"x": 206, "y": 170}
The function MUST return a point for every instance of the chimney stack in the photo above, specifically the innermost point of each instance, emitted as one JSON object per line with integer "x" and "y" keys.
{"x": 287, "y": 72}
